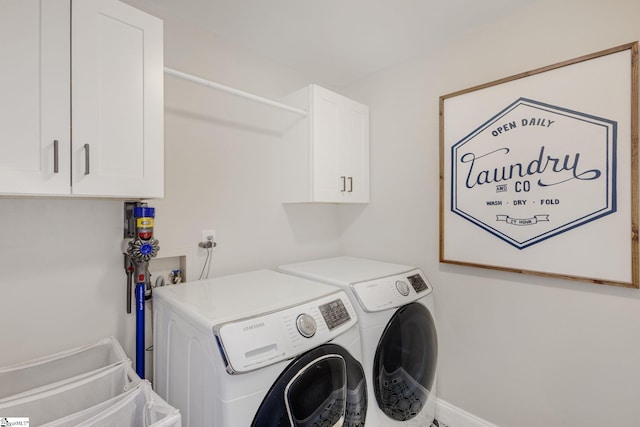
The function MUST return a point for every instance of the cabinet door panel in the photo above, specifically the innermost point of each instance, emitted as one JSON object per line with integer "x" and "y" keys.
{"x": 34, "y": 109}
{"x": 117, "y": 100}
{"x": 355, "y": 151}
{"x": 121, "y": 63}
{"x": 327, "y": 181}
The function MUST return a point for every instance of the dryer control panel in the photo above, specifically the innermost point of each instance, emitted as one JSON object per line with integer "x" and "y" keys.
{"x": 260, "y": 341}
{"x": 391, "y": 291}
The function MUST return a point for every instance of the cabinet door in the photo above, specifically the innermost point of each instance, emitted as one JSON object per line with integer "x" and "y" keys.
{"x": 340, "y": 148}
{"x": 354, "y": 151}
{"x": 117, "y": 101}
{"x": 328, "y": 179}
{"x": 34, "y": 106}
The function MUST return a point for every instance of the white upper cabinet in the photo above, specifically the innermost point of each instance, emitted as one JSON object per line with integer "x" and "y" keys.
{"x": 84, "y": 115}
{"x": 325, "y": 155}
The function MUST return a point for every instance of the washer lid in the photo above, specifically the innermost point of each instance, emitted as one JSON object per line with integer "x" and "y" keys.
{"x": 377, "y": 285}
{"x": 344, "y": 270}
{"x": 211, "y": 302}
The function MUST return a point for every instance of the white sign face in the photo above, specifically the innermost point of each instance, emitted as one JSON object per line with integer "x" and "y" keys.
{"x": 534, "y": 171}
{"x": 539, "y": 171}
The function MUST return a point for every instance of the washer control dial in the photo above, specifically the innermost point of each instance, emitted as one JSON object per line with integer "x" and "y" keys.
{"x": 306, "y": 325}
{"x": 402, "y": 287}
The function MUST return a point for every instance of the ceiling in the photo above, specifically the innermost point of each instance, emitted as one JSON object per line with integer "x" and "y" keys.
{"x": 336, "y": 42}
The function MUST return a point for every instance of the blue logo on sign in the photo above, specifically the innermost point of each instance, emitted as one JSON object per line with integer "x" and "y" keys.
{"x": 534, "y": 171}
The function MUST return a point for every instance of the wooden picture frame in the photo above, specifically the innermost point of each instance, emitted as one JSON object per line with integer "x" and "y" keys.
{"x": 539, "y": 171}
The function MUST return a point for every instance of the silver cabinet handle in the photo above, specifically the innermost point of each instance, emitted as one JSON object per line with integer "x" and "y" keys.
{"x": 350, "y": 184}
{"x": 344, "y": 184}
{"x": 87, "y": 167}
{"x": 55, "y": 156}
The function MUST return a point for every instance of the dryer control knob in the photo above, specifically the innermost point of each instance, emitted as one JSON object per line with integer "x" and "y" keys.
{"x": 306, "y": 325}
{"x": 402, "y": 287}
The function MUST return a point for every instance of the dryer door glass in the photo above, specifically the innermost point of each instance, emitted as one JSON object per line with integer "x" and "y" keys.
{"x": 323, "y": 387}
{"x": 404, "y": 367}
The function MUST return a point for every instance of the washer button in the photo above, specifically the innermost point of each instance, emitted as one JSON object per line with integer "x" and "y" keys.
{"x": 402, "y": 287}
{"x": 306, "y": 325}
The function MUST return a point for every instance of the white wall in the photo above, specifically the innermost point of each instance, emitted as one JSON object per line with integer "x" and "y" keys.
{"x": 62, "y": 282}
{"x": 222, "y": 161}
{"x": 515, "y": 350}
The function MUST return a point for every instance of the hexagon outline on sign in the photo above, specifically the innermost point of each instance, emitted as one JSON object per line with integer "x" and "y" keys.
{"x": 534, "y": 171}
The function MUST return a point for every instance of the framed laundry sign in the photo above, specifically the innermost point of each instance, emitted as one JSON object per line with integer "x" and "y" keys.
{"x": 539, "y": 171}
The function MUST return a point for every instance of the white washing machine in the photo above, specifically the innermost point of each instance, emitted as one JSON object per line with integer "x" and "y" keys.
{"x": 397, "y": 326}
{"x": 259, "y": 349}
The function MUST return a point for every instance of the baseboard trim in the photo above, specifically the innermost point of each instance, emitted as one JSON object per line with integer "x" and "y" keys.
{"x": 453, "y": 416}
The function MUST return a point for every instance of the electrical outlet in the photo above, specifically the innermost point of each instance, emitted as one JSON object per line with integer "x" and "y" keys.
{"x": 208, "y": 236}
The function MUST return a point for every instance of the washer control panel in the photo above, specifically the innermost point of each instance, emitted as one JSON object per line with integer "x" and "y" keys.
{"x": 392, "y": 291}
{"x": 418, "y": 283}
{"x": 335, "y": 313}
{"x": 260, "y": 341}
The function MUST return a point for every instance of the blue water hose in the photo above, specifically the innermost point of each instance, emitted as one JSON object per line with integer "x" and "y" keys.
{"x": 140, "y": 291}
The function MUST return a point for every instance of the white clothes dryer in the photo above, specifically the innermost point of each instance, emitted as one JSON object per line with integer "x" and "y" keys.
{"x": 261, "y": 349}
{"x": 397, "y": 326}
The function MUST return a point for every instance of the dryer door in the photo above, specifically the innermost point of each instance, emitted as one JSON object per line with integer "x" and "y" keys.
{"x": 404, "y": 366}
{"x": 323, "y": 387}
